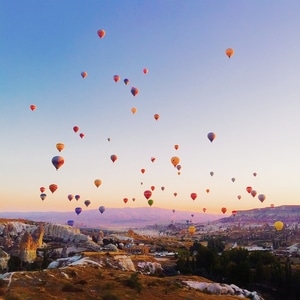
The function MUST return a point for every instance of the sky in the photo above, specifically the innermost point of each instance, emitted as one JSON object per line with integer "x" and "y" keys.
{"x": 250, "y": 101}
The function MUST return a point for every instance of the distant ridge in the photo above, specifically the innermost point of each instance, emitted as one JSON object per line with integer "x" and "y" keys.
{"x": 116, "y": 217}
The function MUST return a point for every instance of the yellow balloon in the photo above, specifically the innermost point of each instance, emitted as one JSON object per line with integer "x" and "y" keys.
{"x": 278, "y": 225}
{"x": 133, "y": 110}
{"x": 191, "y": 230}
{"x": 97, "y": 182}
{"x": 60, "y": 146}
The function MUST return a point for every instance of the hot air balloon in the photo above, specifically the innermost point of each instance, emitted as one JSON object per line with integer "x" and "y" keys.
{"x": 278, "y": 225}
{"x": 175, "y": 160}
{"x": 173, "y": 210}
{"x": 125, "y": 200}
{"x": 70, "y": 197}
{"x": 147, "y": 194}
{"x": 175, "y": 194}
{"x": 272, "y": 205}
{"x": 133, "y": 199}
{"x": 239, "y": 197}
{"x": 162, "y": 188}
{"x": 261, "y": 197}
{"x": 81, "y": 135}
{"x": 211, "y": 136}
{"x": 156, "y": 117}
{"x": 229, "y": 52}
{"x": 211, "y": 173}
{"x": 133, "y": 110}
{"x": 223, "y": 210}
{"x": 102, "y": 209}
{"x": 113, "y": 158}
{"x": 193, "y": 196}
{"x": 204, "y": 209}
{"x": 145, "y": 71}
{"x": 143, "y": 171}
{"x": 84, "y": 74}
{"x": 58, "y": 161}
{"x": 233, "y": 179}
{"x": 134, "y": 91}
{"x": 178, "y": 167}
{"x": 60, "y": 146}
{"x": 43, "y": 196}
{"x": 126, "y": 81}
{"x": 176, "y": 147}
{"x": 152, "y": 188}
{"x": 97, "y": 182}
{"x": 207, "y": 191}
{"x": 116, "y": 78}
{"x": 32, "y": 107}
{"x": 150, "y": 202}
{"x": 254, "y": 174}
{"x": 75, "y": 128}
{"x": 70, "y": 222}
{"x": 101, "y": 33}
{"x": 78, "y": 210}
{"x": 53, "y": 187}
{"x": 234, "y": 212}
{"x": 191, "y": 230}
{"x": 108, "y": 139}
{"x": 253, "y": 193}
{"x": 153, "y": 159}
{"x": 249, "y": 189}
{"x": 77, "y": 197}
{"x": 87, "y": 203}
{"x": 42, "y": 189}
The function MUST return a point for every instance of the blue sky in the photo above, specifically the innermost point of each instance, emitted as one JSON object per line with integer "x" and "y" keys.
{"x": 251, "y": 102}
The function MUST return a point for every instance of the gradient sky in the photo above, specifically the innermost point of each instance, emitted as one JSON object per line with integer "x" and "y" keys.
{"x": 251, "y": 103}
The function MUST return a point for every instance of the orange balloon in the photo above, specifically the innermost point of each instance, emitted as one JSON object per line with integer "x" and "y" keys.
{"x": 60, "y": 146}
{"x": 229, "y": 52}
{"x": 97, "y": 182}
{"x": 175, "y": 160}
{"x": 175, "y": 194}
{"x": 207, "y": 190}
{"x": 125, "y": 200}
{"x": 223, "y": 210}
{"x": 53, "y": 187}
{"x": 133, "y": 110}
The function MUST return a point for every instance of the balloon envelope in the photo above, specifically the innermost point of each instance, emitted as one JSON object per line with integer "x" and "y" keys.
{"x": 156, "y": 117}
{"x": 70, "y": 197}
{"x": 75, "y": 128}
{"x": 101, "y": 33}
{"x": 58, "y": 161}
{"x": 229, "y": 52}
{"x": 134, "y": 91}
{"x": 42, "y": 189}
{"x": 191, "y": 230}
{"x": 126, "y": 81}
{"x": 133, "y": 110}
{"x": 211, "y": 136}
{"x": 102, "y": 209}
{"x": 278, "y": 225}
{"x": 150, "y": 202}
{"x": 32, "y": 107}
{"x": 60, "y": 146}
{"x": 113, "y": 158}
{"x": 223, "y": 210}
{"x": 53, "y": 187}
{"x": 97, "y": 182}
{"x": 147, "y": 194}
{"x": 261, "y": 197}
{"x": 78, "y": 210}
{"x": 84, "y": 74}
{"x": 116, "y": 78}
{"x": 77, "y": 197}
{"x": 87, "y": 203}
{"x": 70, "y": 222}
{"x": 193, "y": 196}
{"x": 175, "y": 160}
{"x": 43, "y": 196}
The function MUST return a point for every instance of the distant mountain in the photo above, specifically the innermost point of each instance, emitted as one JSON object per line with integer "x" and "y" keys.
{"x": 286, "y": 213}
{"x": 116, "y": 217}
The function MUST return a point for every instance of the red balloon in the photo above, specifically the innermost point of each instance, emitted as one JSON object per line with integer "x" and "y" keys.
{"x": 143, "y": 171}
{"x": 32, "y": 107}
{"x": 223, "y": 210}
{"x": 42, "y": 189}
{"x": 193, "y": 196}
{"x": 125, "y": 200}
{"x": 113, "y": 157}
{"x": 81, "y": 135}
{"x": 75, "y": 128}
{"x": 152, "y": 188}
{"x": 234, "y": 212}
{"x": 253, "y": 193}
{"x": 101, "y": 33}
{"x": 70, "y": 197}
{"x": 145, "y": 71}
{"x": 116, "y": 78}
{"x": 53, "y": 187}
{"x": 147, "y": 194}
{"x": 84, "y": 74}
{"x": 249, "y": 189}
